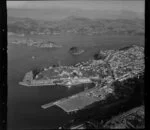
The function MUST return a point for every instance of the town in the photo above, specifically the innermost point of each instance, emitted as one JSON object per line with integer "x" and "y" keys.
{"x": 114, "y": 65}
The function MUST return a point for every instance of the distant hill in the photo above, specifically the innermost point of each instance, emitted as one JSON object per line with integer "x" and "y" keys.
{"x": 73, "y": 24}
{"x": 53, "y": 14}
{"x": 124, "y": 14}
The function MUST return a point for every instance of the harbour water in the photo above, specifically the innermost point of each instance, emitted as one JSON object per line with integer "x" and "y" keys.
{"x": 24, "y": 103}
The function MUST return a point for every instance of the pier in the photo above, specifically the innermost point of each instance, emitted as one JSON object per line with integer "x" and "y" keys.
{"x": 75, "y": 102}
{"x": 48, "y": 105}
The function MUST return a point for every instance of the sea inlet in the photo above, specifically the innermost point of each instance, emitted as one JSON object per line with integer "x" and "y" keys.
{"x": 24, "y": 103}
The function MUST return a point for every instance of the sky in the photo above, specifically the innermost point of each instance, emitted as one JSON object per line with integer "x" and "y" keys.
{"x": 132, "y": 5}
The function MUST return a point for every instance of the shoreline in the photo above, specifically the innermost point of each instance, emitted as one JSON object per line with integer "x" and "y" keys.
{"x": 31, "y": 85}
{"x": 84, "y": 98}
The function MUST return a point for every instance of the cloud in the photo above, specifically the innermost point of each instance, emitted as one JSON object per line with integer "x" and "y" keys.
{"x": 137, "y": 6}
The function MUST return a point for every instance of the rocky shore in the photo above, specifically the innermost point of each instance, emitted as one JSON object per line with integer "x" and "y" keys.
{"x": 76, "y": 51}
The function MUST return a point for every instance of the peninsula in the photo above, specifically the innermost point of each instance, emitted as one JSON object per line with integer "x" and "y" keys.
{"x": 116, "y": 67}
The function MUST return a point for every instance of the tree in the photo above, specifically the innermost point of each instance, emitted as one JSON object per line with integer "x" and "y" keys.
{"x": 99, "y": 56}
{"x": 36, "y": 71}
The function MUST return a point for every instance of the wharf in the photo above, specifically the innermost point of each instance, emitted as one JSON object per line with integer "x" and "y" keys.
{"x": 76, "y": 102}
{"x": 58, "y": 102}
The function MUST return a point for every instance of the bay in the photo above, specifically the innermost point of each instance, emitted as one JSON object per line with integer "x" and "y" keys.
{"x": 24, "y": 103}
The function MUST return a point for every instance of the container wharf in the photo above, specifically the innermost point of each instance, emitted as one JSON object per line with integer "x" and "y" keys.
{"x": 45, "y": 106}
{"x": 75, "y": 102}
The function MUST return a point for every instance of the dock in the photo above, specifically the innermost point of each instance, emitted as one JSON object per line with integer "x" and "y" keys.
{"x": 75, "y": 102}
{"x": 48, "y": 105}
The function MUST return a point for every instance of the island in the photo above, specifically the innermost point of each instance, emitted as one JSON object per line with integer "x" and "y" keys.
{"x": 116, "y": 68}
{"x": 76, "y": 51}
{"x": 37, "y": 43}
